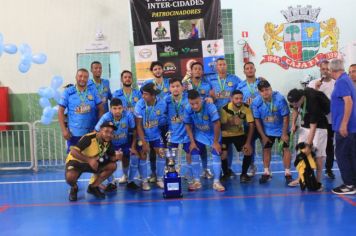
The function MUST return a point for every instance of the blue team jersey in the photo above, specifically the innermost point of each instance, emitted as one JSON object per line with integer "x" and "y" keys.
{"x": 271, "y": 113}
{"x": 203, "y": 88}
{"x": 202, "y": 122}
{"x": 249, "y": 90}
{"x": 223, "y": 88}
{"x": 175, "y": 116}
{"x": 121, "y": 135}
{"x": 103, "y": 90}
{"x": 153, "y": 117}
{"x": 343, "y": 88}
{"x": 128, "y": 100}
{"x": 164, "y": 87}
{"x": 81, "y": 109}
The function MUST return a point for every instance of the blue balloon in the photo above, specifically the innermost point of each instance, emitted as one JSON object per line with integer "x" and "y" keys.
{"x": 48, "y": 112}
{"x": 56, "y": 82}
{"x": 26, "y": 59}
{"x": 55, "y": 109}
{"x": 46, "y": 120}
{"x": 39, "y": 58}
{"x": 10, "y": 48}
{"x": 49, "y": 92}
{"x": 1, "y": 38}
{"x": 1, "y": 49}
{"x": 44, "y": 102}
{"x": 41, "y": 91}
{"x": 25, "y": 49}
{"x": 23, "y": 67}
{"x": 57, "y": 96}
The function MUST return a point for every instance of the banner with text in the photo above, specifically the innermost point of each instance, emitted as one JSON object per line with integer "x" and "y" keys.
{"x": 177, "y": 33}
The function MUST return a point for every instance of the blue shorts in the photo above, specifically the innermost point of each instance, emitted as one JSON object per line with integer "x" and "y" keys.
{"x": 124, "y": 148}
{"x": 185, "y": 146}
{"x": 72, "y": 142}
{"x": 158, "y": 143}
{"x": 202, "y": 149}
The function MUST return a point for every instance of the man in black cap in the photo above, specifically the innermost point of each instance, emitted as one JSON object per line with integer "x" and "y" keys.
{"x": 271, "y": 113}
{"x": 313, "y": 106}
{"x": 95, "y": 154}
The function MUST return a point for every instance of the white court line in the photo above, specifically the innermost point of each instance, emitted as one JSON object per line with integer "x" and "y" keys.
{"x": 40, "y": 181}
{"x": 86, "y": 180}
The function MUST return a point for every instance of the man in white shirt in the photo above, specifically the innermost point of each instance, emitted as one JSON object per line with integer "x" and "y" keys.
{"x": 326, "y": 85}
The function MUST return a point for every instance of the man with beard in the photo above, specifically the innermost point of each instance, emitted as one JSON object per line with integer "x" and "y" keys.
{"x": 94, "y": 154}
{"x": 233, "y": 116}
{"x": 129, "y": 97}
{"x": 84, "y": 108}
{"x": 102, "y": 85}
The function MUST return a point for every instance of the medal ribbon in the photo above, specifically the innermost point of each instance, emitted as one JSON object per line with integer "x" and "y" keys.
{"x": 82, "y": 95}
{"x": 99, "y": 86}
{"x": 128, "y": 98}
{"x": 222, "y": 86}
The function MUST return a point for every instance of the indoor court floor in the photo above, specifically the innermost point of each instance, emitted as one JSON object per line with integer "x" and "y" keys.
{"x": 37, "y": 204}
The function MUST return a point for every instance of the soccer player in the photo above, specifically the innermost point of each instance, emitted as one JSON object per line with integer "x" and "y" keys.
{"x": 203, "y": 127}
{"x": 271, "y": 113}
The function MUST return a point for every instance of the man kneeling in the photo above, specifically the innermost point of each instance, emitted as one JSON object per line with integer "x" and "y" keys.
{"x": 95, "y": 154}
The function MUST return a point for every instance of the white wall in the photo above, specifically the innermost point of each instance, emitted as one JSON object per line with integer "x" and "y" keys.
{"x": 60, "y": 29}
{"x": 252, "y": 15}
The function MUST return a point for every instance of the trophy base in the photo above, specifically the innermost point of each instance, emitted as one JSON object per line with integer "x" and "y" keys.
{"x": 172, "y": 185}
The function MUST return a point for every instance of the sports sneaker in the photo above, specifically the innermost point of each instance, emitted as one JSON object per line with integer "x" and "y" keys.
{"x": 294, "y": 183}
{"x": 224, "y": 177}
{"x": 231, "y": 173}
{"x": 253, "y": 170}
{"x": 288, "y": 178}
{"x": 329, "y": 174}
{"x": 146, "y": 186}
{"x": 265, "y": 178}
{"x": 218, "y": 187}
{"x": 321, "y": 188}
{"x": 152, "y": 178}
{"x": 132, "y": 185}
{"x": 194, "y": 186}
{"x": 344, "y": 189}
{"x": 244, "y": 178}
{"x": 95, "y": 191}
{"x": 110, "y": 187}
{"x": 160, "y": 184}
{"x": 73, "y": 193}
{"x": 123, "y": 179}
{"x": 207, "y": 174}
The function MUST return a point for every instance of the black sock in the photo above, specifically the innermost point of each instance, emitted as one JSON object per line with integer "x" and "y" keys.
{"x": 246, "y": 164}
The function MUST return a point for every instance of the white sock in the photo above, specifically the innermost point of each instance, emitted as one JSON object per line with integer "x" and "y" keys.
{"x": 287, "y": 172}
{"x": 266, "y": 171}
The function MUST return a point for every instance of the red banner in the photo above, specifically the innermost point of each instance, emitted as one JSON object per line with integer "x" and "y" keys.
{"x": 286, "y": 62}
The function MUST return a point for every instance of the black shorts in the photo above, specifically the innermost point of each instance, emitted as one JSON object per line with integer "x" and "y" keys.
{"x": 270, "y": 144}
{"x": 84, "y": 167}
{"x": 238, "y": 141}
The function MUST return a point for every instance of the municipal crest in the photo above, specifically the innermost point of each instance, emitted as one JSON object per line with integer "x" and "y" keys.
{"x": 304, "y": 40}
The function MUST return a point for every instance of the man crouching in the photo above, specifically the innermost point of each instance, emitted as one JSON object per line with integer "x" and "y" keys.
{"x": 95, "y": 154}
